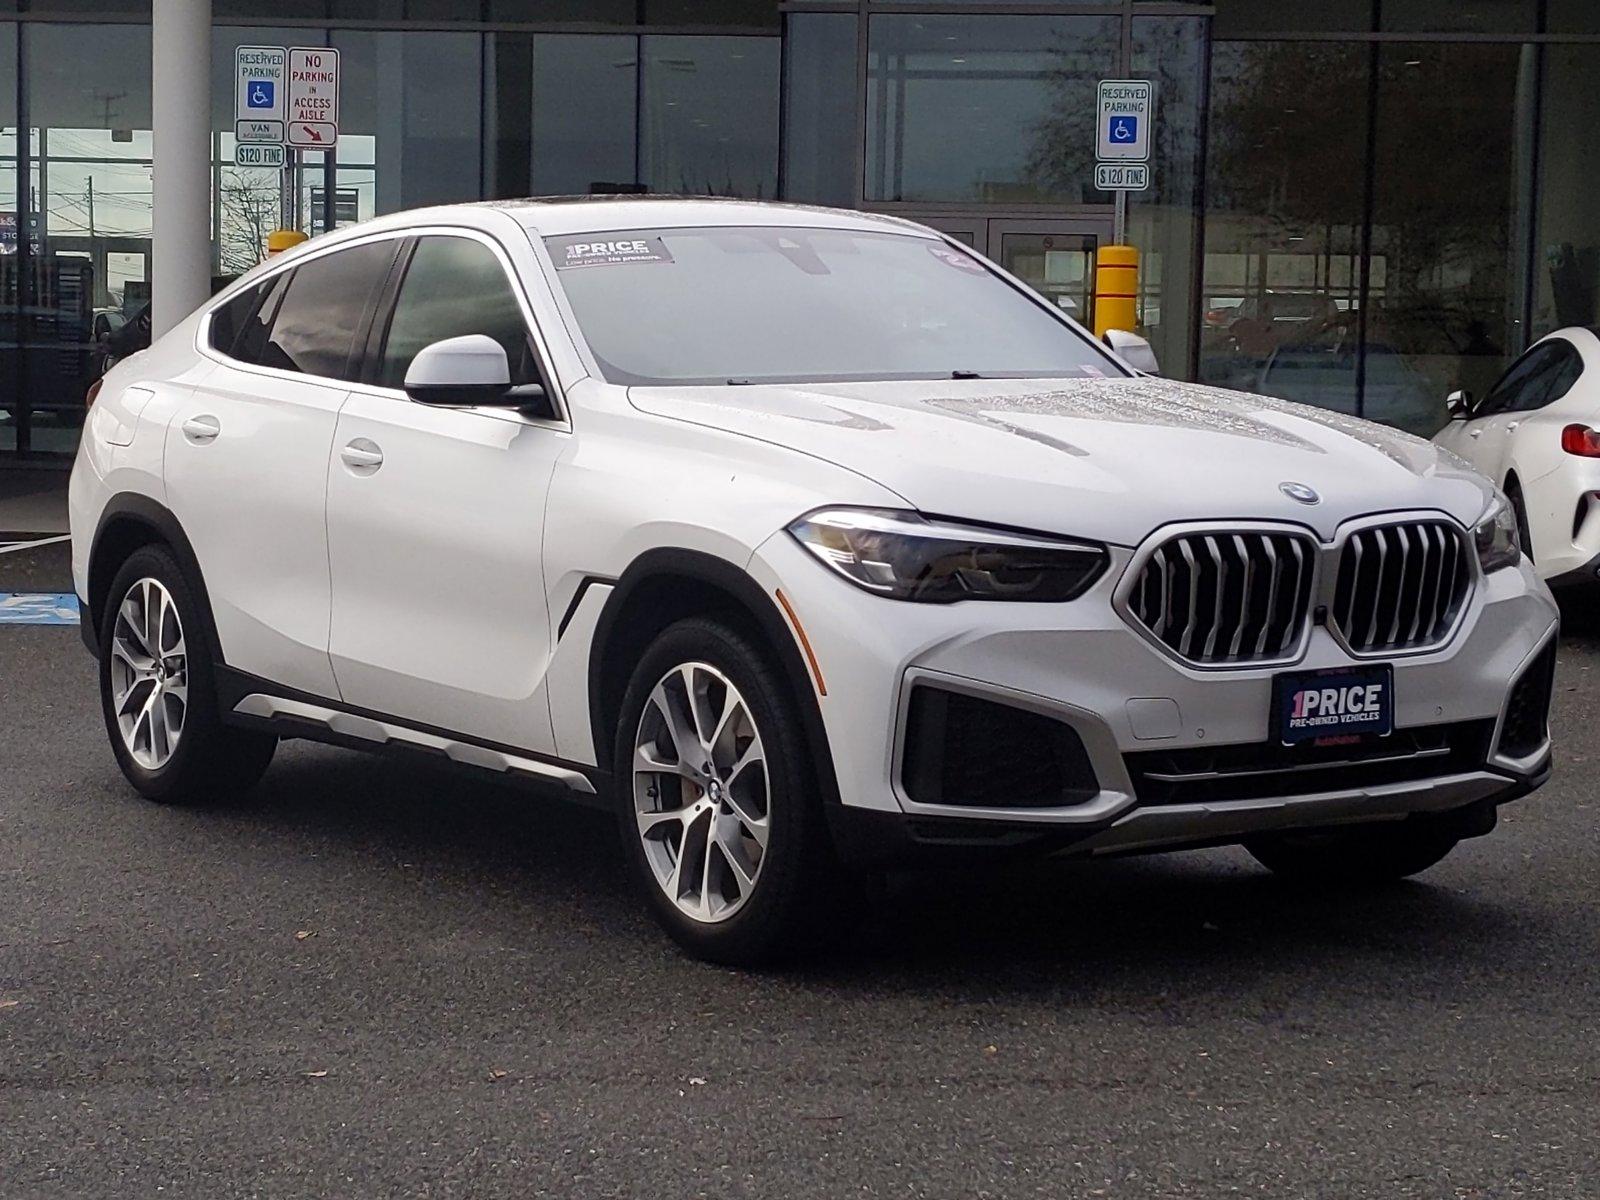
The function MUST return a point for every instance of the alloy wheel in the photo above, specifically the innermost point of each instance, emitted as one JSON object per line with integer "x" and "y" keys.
{"x": 149, "y": 674}
{"x": 701, "y": 793}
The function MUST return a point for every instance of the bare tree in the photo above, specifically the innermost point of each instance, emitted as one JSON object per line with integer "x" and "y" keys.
{"x": 249, "y": 203}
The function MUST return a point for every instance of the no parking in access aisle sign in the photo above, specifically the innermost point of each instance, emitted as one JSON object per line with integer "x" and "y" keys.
{"x": 313, "y": 101}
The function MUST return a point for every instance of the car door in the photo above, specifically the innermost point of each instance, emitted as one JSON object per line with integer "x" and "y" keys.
{"x": 436, "y": 515}
{"x": 247, "y": 459}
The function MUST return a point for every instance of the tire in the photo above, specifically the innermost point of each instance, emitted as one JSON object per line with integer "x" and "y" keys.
{"x": 764, "y": 902}
{"x": 1519, "y": 510}
{"x": 160, "y": 709}
{"x": 1355, "y": 857}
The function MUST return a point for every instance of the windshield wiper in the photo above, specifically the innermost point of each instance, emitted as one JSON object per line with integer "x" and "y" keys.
{"x": 965, "y": 375}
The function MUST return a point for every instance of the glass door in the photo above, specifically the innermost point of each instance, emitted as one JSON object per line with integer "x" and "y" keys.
{"x": 1055, "y": 257}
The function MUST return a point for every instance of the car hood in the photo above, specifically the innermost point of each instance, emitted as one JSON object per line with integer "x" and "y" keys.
{"x": 1106, "y": 458}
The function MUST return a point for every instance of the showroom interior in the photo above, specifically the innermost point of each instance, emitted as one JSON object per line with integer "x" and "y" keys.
{"x": 1359, "y": 204}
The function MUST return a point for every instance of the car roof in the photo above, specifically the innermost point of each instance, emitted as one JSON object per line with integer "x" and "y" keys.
{"x": 555, "y": 215}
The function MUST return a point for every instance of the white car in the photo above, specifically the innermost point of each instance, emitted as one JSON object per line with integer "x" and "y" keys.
{"x": 1536, "y": 433}
{"x": 808, "y": 540}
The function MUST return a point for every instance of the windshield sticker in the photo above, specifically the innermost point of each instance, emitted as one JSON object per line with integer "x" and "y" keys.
{"x": 951, "y": 257}
{"x": 590, "y": 251}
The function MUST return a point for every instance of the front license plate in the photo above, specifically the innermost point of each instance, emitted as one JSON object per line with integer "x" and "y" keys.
{"x": 1348, "y": 702}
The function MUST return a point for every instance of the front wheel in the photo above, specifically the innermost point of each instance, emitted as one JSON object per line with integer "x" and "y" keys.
{"x": 157, "y": 692}
{"x": 1354, "y": 857}
{"x": 718, "y": 802}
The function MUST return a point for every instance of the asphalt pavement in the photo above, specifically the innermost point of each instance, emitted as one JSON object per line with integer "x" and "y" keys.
{"x": 369, "y": 979}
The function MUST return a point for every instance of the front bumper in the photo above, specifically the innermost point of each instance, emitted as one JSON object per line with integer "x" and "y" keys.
{"x": 1081, "y": 664}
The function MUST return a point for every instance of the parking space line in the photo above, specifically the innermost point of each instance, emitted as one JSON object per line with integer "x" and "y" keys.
{"x": 15, "y": 547}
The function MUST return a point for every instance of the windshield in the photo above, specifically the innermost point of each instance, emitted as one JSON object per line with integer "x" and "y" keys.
{"x": 758, "y": 304}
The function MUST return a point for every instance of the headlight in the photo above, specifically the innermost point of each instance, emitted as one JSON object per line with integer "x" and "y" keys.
{"x": 909, "y": 557}
{"x": 1496, "y": 538}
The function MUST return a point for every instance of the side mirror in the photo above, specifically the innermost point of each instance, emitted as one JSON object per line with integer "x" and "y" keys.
{"x": 464, "y": 372}
{"x": 1458, "y": 404}
{"x": 1133, "y": 350}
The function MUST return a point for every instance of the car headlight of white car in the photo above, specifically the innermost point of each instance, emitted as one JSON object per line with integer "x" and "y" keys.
{"x": 1495, "y": 537}
{"x": 910, "y": 557}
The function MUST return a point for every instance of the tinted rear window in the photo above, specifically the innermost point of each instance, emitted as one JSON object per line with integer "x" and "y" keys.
{"x": 309, "y": 318}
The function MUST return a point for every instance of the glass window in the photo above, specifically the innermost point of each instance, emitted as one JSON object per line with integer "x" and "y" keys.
{"x": 819, "y": 134}
{"x": 455, "y": 286}
{"x": 751, "y": 13}
{"x": 1273, "y": 16}
{"x": 760, "y": 304}
{"x": 89, "y": 98}
{"x": 1572, "y": 16}
{"x": 1540, "y": 377}
{"x": 410, "y": 127}
{"x": 584, "y": 114}
{"x": 709, "y": 114}
{"x": 1446, "y": 312}
{"x": 255, "y": 328}
{"x": 1164, "y": 220}
{"x": 10, "y": 385}
{"x": 1459, "y": 16}
{"x": 1286, "y": 197}
{"x": 995, "y": 109}
{"x": 1567, "y": 258}
{"x": 229, "y": 320}
{"x": 594, "y": 12}
{"x": 312, "y": 327}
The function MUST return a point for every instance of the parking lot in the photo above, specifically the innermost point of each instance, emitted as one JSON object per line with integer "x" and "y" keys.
{"x": 370, "y": 979}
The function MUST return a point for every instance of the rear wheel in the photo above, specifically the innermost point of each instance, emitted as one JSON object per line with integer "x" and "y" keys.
{"x": 718, "y": 803}
{"x": 1370, "y": 855}
{"x": 157, "y": 692}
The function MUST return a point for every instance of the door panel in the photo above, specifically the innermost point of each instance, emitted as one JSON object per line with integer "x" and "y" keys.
{"x": 435, "y": 522}
{"x": 246, "y": 470}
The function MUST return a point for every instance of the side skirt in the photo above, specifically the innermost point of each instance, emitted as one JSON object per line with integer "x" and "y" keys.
{"x": 257, "y": 704}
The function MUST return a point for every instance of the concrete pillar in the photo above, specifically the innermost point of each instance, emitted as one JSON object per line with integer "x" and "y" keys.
{"x": 180, "y": 254}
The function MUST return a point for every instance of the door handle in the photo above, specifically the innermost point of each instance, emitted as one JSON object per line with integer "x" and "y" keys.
{"x": 202, "y": 429}
{"x": 362, "y": 456}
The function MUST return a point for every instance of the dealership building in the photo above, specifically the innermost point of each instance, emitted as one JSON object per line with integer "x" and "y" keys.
{"x": 1360, "y": 204}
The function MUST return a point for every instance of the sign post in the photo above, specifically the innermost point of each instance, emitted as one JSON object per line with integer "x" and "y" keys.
{"x": 1123, "y": 134}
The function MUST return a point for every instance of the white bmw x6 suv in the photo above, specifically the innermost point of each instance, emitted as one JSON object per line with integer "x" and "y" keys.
{"x": 808, "y": 540}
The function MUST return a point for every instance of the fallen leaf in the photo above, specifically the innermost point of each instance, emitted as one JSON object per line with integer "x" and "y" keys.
{"x": 314, "y": 1074}
{"x": 9, "y": 1003}
{"x": 697, "y": 1082}
{"x": 302, "y": 934}
{"x": 495, "y": 1074}
{"x": 991, "y": 1049}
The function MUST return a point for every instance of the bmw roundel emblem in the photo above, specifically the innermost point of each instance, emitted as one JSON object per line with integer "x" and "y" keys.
{"x": 1300, "y": 492}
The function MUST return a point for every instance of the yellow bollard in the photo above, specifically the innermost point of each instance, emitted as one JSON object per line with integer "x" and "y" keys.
{"x": 280, "y": 240}
{"x": 1116, "y": 289}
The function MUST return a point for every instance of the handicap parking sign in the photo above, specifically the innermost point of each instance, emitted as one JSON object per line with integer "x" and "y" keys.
{"x": 1124, "y": 129}
{"x": 260, "y": 94}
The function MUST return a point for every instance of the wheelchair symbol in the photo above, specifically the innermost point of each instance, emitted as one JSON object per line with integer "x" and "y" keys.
{"x": 260, "y": 94}
{"x": 1124, "y": 129}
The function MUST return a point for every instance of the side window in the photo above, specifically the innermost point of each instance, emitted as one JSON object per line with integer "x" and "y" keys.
{"x": 251, "y": 344}
{"x": 1525, "y": 383}
{"x": 228, "y": 320}
{"x": 308, "y": 321}
{"x": 1565, "y": 375}
{"x": 455, "y": 286}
